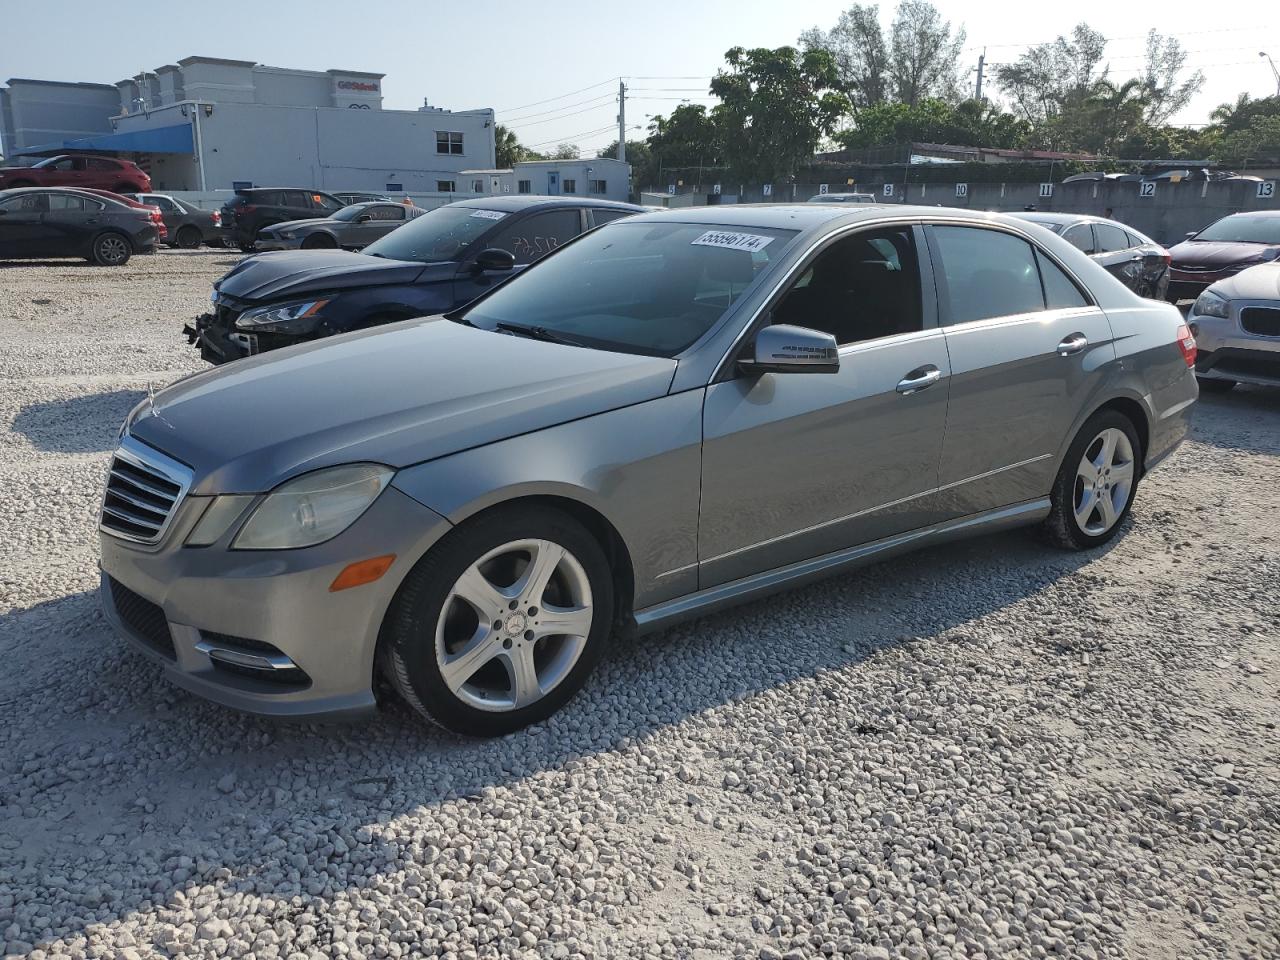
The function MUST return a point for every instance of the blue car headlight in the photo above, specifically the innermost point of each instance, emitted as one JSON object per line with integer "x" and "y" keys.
{"x": 1211, "y": 305}
{"x": 301, "y": 317}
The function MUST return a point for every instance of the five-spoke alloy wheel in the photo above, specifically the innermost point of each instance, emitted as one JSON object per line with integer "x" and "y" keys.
{"x": 502, "y": 621}
{"x": 1095, "y": 486}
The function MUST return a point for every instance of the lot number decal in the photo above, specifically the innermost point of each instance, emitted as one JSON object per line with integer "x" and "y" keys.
{"x": 768, "y": 189}
{"x": 488, "y": 214}
{"x": 1147, "y": 188}
{"x": 1046, "y": 189}
{"x": 1267, "y": 190}
{"x": 962, "y": 190}
{"x": 732, "y": 241}
{"x": 888, "y": 189}
{"x": 822, "y": 189}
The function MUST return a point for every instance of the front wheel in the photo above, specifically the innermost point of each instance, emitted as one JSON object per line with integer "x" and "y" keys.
{"x": 319, "y": 241}
{"x": 501, "y": 623}
{"x": 110, "y": 250}
{"x": 1094, "y": 490}
{"x": 188, "y": 237}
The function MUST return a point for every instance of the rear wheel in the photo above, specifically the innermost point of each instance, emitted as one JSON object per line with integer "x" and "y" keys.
{"x": 188, "y": 237}
{"x": 247, "y": 246}
{"x": 110, "y": 250}
{"x": 1215, "y": 386}
{"x": 501, "y": 623}
{"x": 1094, "y": 489}
{"x": 319, "y": 241}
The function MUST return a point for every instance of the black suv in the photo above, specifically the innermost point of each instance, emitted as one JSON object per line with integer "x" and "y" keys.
{"x": 259, "y": 207}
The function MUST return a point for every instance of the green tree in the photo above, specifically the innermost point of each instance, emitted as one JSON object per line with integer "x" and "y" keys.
{"x": 640, "y": 156}
{"x": 1258, "y": 141}
{"x": 969, "y": 123}
{"x": 686, "y": 138}
{"x": 861, "y": 55}
{"x": 508, "y": 149}
{"x": 775, "y": 106}
{"x": 1051, "y": 79}
{"x": 564, "y": 151}
{"x": 924, "y": 54}
{"x": 1165, "y": 91}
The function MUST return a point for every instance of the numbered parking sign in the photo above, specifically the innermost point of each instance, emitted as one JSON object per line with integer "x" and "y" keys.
{"x": 671, "y": 189}
{"x": 962, "y": 191}
{"x": 1046, "y": 190}
{"x": 888, "y": 189}
{"x": 1267, "y": 190}
{"x": 768, "y": 190}
{"x": 823, "y": 189}
{"x": 716, "y": 189}
{"x": 1147, "y": 188}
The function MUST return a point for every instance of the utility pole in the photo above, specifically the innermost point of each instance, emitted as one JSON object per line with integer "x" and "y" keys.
{"x": 622, "y": 121}
{"x": 1264, "y": 53}
{"x": 982, "y": 60}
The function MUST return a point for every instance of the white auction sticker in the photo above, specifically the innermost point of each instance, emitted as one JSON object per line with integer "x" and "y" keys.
{"x": 751, "y": 242}
{"x": 488, "y": 214}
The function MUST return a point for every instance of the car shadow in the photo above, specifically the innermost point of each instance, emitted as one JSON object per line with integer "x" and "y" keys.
{"x": 178, "y": 762}
{"x": 83, "y": 424}
{"x": 1244, "y": 419}
{"x": 50, "y": 262}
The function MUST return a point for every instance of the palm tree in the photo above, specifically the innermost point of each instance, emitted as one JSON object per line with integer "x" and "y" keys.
{"x": 507, "y": 148}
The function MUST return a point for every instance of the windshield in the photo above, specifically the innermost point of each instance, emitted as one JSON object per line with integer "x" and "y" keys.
{"x": 650, "y": 288}
{"x": 1242, "y": 229}
{"x": 439, "y": 235}
{"x": 47, "y": 161}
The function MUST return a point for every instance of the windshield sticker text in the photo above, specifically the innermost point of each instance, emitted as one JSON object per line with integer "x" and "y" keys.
{"x": 488, "y": 214}
{"x": 750, "y": 242}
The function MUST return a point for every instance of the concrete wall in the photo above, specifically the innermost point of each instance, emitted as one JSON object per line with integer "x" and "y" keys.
{"x": 35, "y": 112}
{"x": 1167, "y": 216}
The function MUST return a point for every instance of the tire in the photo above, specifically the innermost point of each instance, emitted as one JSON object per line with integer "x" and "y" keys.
{"x": 247, "y": 246}
{"x": 188, "y": 237}
{"x": 319, "y": 241}
{"x": 1068, "y": 525}
{"x": 429, "y": 623}
{"x": 1215, "y": 386}
{"x": 110, "y": 250}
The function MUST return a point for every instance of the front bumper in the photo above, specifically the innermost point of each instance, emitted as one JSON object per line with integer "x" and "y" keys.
{"x": 180, "y": 603}
{"x": 1225, "y": 350}
{"x": 276, "y": 243}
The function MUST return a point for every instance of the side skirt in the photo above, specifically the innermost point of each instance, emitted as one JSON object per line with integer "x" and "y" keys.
{"x": 757, "y": 585}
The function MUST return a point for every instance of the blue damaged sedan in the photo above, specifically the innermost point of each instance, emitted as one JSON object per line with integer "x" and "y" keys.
{"x": 670, "y": 414}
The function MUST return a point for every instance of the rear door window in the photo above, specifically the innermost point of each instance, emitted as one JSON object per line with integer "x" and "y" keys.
{"x": 26, "y": 203}
{"x": 296, "y": 199}
{"x": 65, "y": 201}
{"x": 986, "y": 274}
{"x": 1080, "y": 236}
{"x": 1110, "y": 237}
{"x": 603, "y": 215}
{"x": 1060, "y": 293}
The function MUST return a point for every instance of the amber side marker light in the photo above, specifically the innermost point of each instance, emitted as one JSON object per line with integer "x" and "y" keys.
{"x": 361, "y": 572}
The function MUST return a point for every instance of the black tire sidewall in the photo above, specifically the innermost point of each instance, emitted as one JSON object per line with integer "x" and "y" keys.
{"x": 319, "y": 241}
{"x": 96, "y": 255}
{"x": 186, "y": 233}
{"x": 1062, "y": 515}
{"x": 408, "y": 641}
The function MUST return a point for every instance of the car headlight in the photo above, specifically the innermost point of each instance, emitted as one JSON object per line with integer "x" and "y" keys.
{"x": 287, "y": 235}
{"x": 1210, "y": 305}
{"x": 313, "y": 508}
{"x": 283, "y": 318}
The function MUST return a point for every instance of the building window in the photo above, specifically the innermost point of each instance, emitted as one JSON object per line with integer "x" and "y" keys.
{"x": 571, "y": 186}
{"x": 395, "y": 188}
{"x": 526, "y": 186}
{"x": 446, "y": 186}
{"x": 598, "y": 186}
{"x": 448, "y": 142}
{"x": 477, "y": 186}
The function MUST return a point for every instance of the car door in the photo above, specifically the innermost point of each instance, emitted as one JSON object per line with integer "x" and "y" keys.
{"x": 1117, "y": 255}
{"x": 383, "y": 218}
{"x": 71, "y": 221}
{"x": 1027, "y": 347}
{"x": 800, "y": 465}
{"x": 172, "y": 215}
{"x": 23, "y": 232}
{"x": 527, "y": 237}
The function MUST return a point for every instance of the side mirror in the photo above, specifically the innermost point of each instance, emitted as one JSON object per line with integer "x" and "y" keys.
{"x": 782, "y": 348}
{"x": 1191, "y": 234}
{"x": 494, "y": 259}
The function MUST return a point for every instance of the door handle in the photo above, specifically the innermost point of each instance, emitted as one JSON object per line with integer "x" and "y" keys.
{"x": 92, "y": 220}
{"x": 1072, "y": 344}
{"x": 919, "y": 379}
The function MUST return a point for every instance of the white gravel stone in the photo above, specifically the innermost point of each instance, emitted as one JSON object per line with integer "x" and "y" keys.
{"x": 991, "y": 749}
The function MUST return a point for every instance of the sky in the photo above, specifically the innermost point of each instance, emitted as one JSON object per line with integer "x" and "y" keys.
{"x": 551, "y": 70}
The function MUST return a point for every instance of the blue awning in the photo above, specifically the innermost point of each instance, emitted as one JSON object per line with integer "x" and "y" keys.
{"x": 172, "y": 139}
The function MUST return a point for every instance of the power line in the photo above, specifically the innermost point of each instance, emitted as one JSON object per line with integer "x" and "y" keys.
{"x": 598, "y": 106}
{"x": 562, "y": 96}
{"x": 572, "y": 136}
{"x": 603, "y": 98}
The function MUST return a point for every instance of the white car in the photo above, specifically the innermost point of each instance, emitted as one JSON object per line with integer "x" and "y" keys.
{"x": 1236, "y": 323}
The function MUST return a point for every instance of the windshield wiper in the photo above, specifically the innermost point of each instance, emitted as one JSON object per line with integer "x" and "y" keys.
{"x": 536, "y": 333}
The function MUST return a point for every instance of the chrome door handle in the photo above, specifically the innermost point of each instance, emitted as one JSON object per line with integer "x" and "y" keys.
{"x": 1073, "y": 344}
{"x": 919, "y": 379}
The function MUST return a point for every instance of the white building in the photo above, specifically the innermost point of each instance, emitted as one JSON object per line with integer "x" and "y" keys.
{"x": 212, "y": 124}
{"x": 600, "y": 177}
{"x": 33, "y": 112}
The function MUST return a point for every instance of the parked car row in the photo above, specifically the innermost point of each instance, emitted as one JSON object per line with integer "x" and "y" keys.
{"x": 634, "y": 418}
{"x": 102, "y": 227}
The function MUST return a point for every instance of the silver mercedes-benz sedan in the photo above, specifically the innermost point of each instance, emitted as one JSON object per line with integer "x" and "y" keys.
{"x": 671, "y": 413}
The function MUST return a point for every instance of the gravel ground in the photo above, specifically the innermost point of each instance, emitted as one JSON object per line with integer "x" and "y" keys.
{"x": 993, "y": 749}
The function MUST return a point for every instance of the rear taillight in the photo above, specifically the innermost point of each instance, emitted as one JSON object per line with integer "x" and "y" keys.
{"x": 1187, "y": 344}
{"x": 217, "y": 218}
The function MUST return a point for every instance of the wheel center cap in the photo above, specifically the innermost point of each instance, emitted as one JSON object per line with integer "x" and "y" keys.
{"x": 515, "y": 624}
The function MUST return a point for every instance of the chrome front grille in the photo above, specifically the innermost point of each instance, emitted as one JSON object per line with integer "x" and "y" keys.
{"x": 144, "y": 488}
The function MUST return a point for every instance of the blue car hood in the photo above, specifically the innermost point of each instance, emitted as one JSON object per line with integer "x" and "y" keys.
{"x": 398, "y": 394}
{"x": 286, "y": 273}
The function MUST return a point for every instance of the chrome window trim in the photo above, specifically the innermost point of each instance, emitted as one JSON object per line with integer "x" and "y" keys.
{"x": 917, "y": 220}
{"x": 148, "y": 459}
